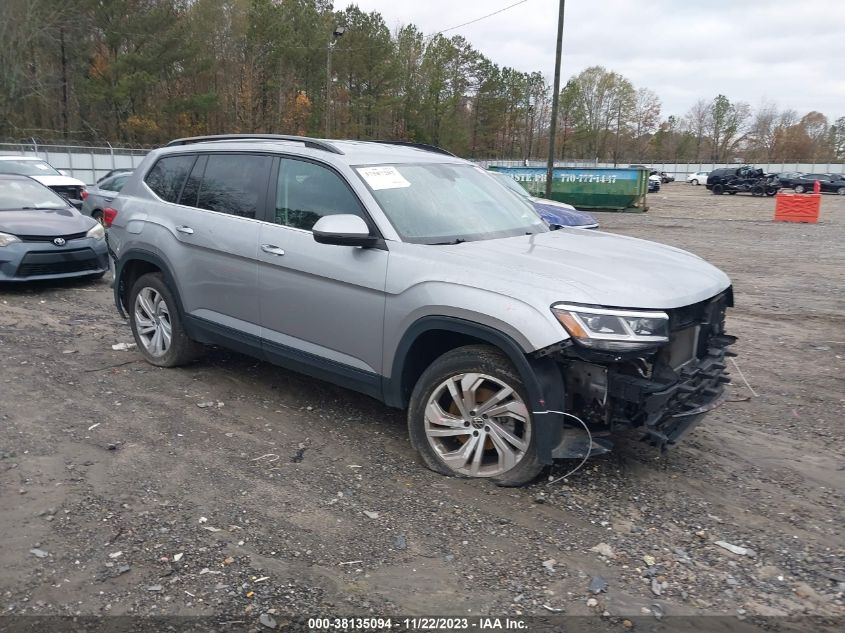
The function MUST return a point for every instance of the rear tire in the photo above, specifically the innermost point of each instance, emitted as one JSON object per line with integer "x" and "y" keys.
{"x": 469, "y": 417}
{"x": 718, "y": 189}
{"x": 693, "y": 182}
{"x": 157, "y": 325}
{"x": 841, "y": 191}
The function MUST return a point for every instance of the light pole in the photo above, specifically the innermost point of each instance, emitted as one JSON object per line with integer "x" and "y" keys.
{"x": 550, "y": 166}
{"x": 338, "y": 32}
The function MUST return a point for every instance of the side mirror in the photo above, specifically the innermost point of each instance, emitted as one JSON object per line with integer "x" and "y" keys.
{"x": 343, "y": 230}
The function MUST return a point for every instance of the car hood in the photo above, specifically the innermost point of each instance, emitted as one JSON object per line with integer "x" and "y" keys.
{"x": 59, "y": 181}
{"x": 45, "y": 223}
{"x": 589, "y": 267}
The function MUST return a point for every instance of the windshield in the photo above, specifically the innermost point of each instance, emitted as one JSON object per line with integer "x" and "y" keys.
{"x": 27, "y": 168}
{"x": 20, "y": 194}
{"x": 511, "y": 184}
{"x": 448, "y": 203}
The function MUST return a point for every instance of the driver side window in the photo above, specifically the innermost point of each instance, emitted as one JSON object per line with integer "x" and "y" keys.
{"x": 305, "y": 192}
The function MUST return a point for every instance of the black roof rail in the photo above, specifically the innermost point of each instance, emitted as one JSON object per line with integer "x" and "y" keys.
{"x": 422, "y": 146}
{"x": 313, "y": 143}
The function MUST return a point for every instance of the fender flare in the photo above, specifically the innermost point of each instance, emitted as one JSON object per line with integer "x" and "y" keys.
{"x": 135, "y": 254}
{"x": 541, "y": 376}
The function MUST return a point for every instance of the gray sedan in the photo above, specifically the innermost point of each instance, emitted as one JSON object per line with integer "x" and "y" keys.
{"x": 101, "y": 195}
{"x": 43, "y": 237}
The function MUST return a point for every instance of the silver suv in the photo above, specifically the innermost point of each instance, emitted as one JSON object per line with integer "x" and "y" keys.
{"x": 413, "y": 276}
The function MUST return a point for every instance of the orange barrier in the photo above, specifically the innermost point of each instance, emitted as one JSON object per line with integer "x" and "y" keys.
{"x": 797, "y": 207}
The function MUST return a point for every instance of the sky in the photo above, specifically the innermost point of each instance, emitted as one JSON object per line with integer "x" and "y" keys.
{"x": 787, "y": 52}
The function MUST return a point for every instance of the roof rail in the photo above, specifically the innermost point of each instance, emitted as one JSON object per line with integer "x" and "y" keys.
{"x": 422, "y": 146}
{"x": 313, "y": 143}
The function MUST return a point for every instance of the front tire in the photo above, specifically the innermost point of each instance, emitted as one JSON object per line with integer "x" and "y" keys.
{"x": 841, "y": 191}
{"x": 693, "y": 182}
{"x": 469, "y": 417}
{"x": 157, "y": 325}
{"x": 799, "y": 189}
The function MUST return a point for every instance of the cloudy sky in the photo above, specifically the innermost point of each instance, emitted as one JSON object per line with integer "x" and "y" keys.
{"x": 790, "y": 52}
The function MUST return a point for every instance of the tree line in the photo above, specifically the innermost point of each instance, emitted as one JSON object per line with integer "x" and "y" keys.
{"x": 146, "y": 71}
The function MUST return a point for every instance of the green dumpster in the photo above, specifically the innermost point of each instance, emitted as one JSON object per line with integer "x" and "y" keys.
{"x": 593, "y": 188}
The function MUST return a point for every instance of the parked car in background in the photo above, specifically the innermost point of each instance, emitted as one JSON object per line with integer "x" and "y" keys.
{"x": 42, "y": 236}
{"x": 114, "y": 172}
{"x": 664, "y": 177}
{"x": 414, "y": 277}
{"x": 829, "y": 183}
{"x": 552, "y": 211}
{"x": 69, "y": 188}
{"x": 101, "y": 195}
{"x": 653, "y": 183}
{"x": 698, "y": 177}
{"x": 743, "y": 179}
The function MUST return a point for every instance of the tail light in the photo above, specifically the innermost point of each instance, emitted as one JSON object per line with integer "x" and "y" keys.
{"x": 109, "y": 215}
{"x": 83, "y": 194}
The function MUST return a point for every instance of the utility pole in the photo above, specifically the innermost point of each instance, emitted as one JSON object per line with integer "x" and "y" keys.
{"x": 338, "y": 32}
{"x": 550, "y": 167}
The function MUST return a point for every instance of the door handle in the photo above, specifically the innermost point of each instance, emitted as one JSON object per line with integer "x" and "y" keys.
{"x": 185, "y": 229}
{"x": 272, "y": 249}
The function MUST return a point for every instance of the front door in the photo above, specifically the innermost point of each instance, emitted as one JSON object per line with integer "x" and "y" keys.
{"x": 322, "y": 306}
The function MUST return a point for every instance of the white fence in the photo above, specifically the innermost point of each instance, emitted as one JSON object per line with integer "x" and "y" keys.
{"x": 90, "y": 163}
{"x": 681, "y": 170}
{"x": 79, "y": 161}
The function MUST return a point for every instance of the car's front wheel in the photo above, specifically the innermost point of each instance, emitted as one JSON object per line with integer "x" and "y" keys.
{"x": 693, "y": 181}
{"x": 469, "y": 417}
{"x": 841, "y": 191}
{"x": 156, "y": 323}
{"x": 799, "y": 189}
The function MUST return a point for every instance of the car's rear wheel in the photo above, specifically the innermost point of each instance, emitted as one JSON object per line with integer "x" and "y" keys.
{"x": 799, "y": 189}
{"x": 841, "y": 191}
{"x": 693, "y": 181}
{"x": 758, "y": 190}
{"x": 157, "y": 325}
{"x": 469, "y": 417}
{"x": 718, "y": 189}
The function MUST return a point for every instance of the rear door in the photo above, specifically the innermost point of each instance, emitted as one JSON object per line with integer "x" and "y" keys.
{"x": 321, "y": 304}
{"x": 211, "y": 238}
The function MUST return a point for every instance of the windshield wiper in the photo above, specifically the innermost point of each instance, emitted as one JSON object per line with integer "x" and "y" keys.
{"x": 457, "y": 240}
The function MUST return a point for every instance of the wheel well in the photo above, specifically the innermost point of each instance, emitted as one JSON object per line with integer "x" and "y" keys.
{"x": 132, "y": 270}
{"x": 427, "y": 347}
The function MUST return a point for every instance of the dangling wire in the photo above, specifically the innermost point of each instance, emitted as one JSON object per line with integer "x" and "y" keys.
{"x": 589, "y": 446}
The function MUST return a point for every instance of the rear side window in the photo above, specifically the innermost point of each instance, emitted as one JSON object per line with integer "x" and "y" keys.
{"x": 168, "y": 175}
{"x": 231, "y": 183}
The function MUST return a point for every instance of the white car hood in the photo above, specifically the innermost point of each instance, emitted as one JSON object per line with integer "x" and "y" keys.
{"x": 59, "y": 181}
{"x": 590, "y": 267}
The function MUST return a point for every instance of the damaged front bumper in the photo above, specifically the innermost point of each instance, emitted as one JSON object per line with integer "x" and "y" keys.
{"x": 663, "y": 393}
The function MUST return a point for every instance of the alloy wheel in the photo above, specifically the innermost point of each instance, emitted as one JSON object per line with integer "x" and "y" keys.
{"x": 478, "y": 425}
{"x": 152, "y": 321}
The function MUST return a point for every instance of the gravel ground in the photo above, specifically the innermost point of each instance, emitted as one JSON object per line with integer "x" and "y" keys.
{"x": 234, "y": 489}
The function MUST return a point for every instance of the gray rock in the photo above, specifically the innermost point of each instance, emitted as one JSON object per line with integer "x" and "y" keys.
{"x": 267, "y": 620}
{"x": 39, "y": 553}
{"x": 400, "y": 542}
{"x": 155, "y": 588}
{"x": 598, "y": 584}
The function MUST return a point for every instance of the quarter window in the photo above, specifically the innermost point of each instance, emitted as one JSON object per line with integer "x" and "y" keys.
{"x": 306, "y": 192}
{"x": 233, "y": 184}
{"x": 168, "y": 175}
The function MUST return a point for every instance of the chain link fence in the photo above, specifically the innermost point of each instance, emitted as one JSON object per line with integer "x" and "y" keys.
{"x": 89, "y": 163}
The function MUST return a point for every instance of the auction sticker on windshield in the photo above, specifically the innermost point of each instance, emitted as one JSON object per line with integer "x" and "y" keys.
{"x": 384, "y": 177}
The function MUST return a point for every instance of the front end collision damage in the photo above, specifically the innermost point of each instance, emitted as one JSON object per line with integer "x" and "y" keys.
{"x": 662, "y": 393}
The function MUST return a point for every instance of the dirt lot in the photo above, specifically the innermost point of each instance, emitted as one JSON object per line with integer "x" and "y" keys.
{"x": 289, "y": 496}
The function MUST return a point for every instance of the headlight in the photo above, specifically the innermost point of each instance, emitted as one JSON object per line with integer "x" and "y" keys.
{"x": 6, "y": 239}
{"x": 613, "y": 330}
{"x": 97, "y": 232}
